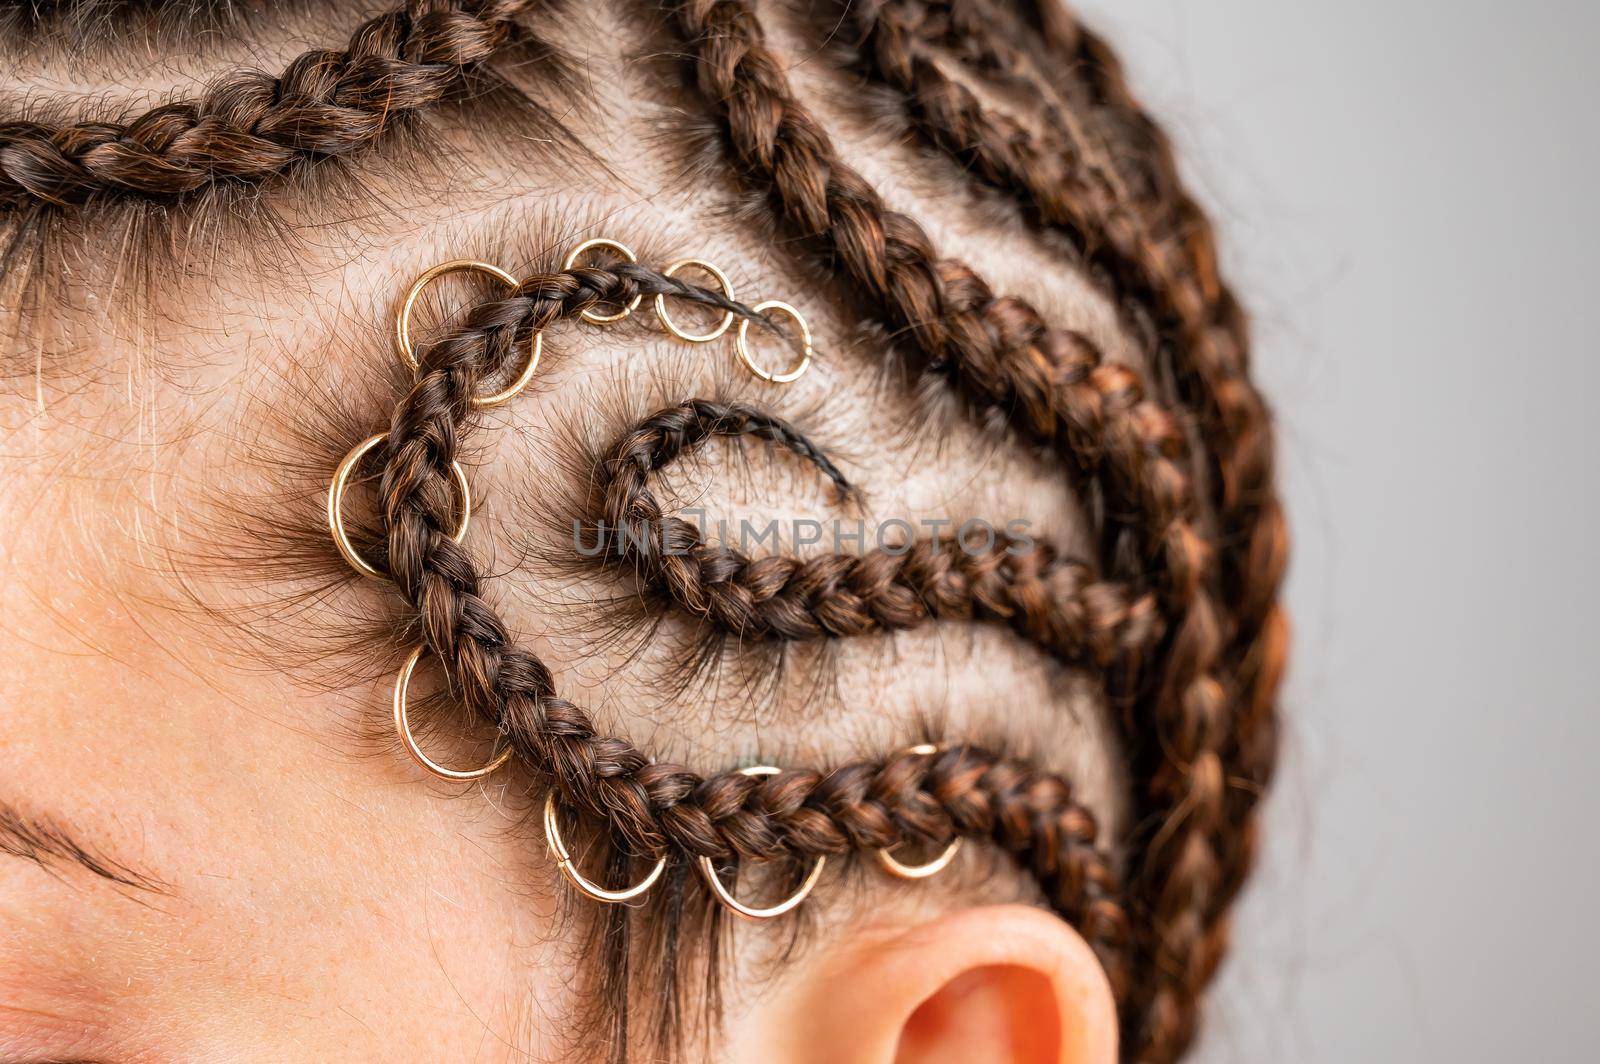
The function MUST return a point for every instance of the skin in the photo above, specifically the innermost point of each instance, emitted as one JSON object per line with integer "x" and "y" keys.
{"x": 212, "y": 722}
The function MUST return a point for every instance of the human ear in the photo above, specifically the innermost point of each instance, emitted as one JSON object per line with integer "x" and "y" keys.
{"x": 999, "y": 984}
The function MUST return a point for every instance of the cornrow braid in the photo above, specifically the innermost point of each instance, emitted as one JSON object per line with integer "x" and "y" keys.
{"x": 1055, "y": 601}
{"x": 1207, "y": 761}
{"x": 1234, "y": 417}
{"x": 1157, "y": 250}
{"x": 778, "y": 147}
{"x": 1237, "y": 427}
{"x": 1053, "y": 386}
{"x": 1055, "y": 180}
{"x": 249, "y": 126}
{"x": 654, "y": 808}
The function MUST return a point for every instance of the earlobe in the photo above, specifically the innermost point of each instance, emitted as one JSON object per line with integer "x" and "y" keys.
{"x": 1000, "y": 984}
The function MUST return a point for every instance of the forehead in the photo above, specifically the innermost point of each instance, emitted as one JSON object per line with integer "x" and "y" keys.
{"x": 305, "y": 891}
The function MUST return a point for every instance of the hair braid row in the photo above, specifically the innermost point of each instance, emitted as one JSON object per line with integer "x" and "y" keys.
{"x": 1208, "y": 761}
{"x": 1162, "y": 259}
{"x": 1052, "y": 385}
{"x": 1157, "y": 246}
{"x": 1055, "y": 601}
{"x": 1057, "y": 181}
{"x": 1215, "y": 367}
{"x": 1208, "y": 347}
{"x": 251, "y": 125}
{"x": 777, "y": 144}
{"x": 651, "y": 807}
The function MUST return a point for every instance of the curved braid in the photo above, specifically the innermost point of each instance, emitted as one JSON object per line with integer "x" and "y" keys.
{"x": 1055, "y": 601}
{"x": 1051, "y": 385}
{"x": 1171, "y": 266}
{"x": 1158, "y": 247}
{"x": 1159, "y": 250}
{"x": 777, "y": 144}
{"x": 1237, "y": 425}
{"x": 651, "y": 807}
{"x": 1234, "y": 417}
{"x": 1053, "y": 179}
{"x": 998, "y": 352}
{"x": 250, "y": 125}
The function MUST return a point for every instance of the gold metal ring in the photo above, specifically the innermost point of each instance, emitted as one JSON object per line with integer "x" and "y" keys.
{"x": 621, "y": 249}
{"x": 672, "y": 326}
{"x": 709, "y": 871}
{"x": 402, "y": 320}
{"x": 558, "y": 850}
{"x": 402, "y": 725}
{"x": 341, "y": 480}
{"x": 921, "y": 871}
{"x": 483, "y": 402}
{"x": 742, "y": 344}
{"x": 402, "y": 325}
{"x": 933, "y": 867}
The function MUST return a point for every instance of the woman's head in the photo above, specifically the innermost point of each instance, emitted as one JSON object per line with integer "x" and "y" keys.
{"x": 999, "y": 566}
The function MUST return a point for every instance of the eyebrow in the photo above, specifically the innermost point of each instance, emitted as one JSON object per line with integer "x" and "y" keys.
{"x": 46, "y": 843}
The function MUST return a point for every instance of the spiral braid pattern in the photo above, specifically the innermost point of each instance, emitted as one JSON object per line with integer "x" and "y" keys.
{"x": 1055, "y": 601}
{"x": 651, "y": 807}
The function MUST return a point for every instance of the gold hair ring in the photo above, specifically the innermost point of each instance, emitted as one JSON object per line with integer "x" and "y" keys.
{"x": 709, "y": 871}
{"x": 512, "y": 390}
{"x": 402, "y": 725}
{"x": 933, "y": 867}
{"x": 341, "y": 480}
{"x": 727, "y": 293}
{"x": 558, "y": 850}
{"x": 402, "y": 320}
{"x": 742, "y": 343}
{"x": 621, "y": 249}
{"x": 402, "y": 326}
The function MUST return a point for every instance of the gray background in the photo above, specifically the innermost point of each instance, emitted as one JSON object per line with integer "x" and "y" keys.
{"x": 1408, "y": 197}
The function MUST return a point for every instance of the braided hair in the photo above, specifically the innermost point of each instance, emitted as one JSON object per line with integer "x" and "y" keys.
{"x": 1178, "y": 609}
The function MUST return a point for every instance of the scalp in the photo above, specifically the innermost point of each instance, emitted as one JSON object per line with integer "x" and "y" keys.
{"x": 1020, "y": 315}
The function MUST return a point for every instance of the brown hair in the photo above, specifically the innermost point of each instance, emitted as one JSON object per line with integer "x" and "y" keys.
{"x": 1044, "y": 593}
{"x": 1179, "y": 608}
